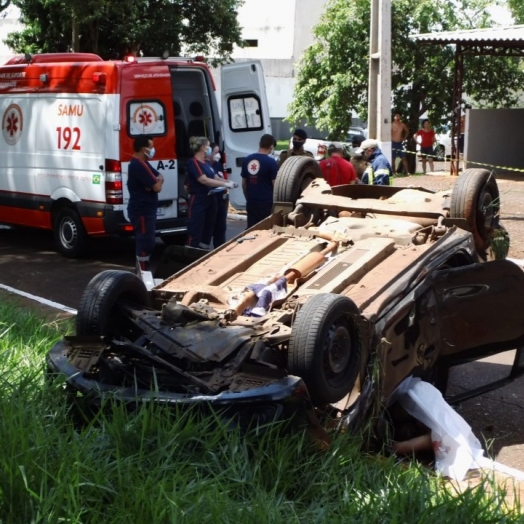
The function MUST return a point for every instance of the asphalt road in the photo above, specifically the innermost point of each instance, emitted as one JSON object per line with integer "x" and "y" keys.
{"x": 29, "y": 263}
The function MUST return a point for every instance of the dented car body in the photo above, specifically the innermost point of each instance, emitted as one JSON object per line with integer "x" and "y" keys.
{"x": 325, "y": 306}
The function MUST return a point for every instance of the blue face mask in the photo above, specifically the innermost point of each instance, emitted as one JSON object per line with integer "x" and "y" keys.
{"x": 151, "y": 153}
{"x": 209, "y": 151}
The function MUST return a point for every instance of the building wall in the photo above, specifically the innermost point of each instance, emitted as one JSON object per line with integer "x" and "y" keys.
{"x": 282, "y": 29}
{"x": 493, "y": 137}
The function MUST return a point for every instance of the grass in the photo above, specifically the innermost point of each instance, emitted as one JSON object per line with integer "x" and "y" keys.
{"x": 282, "y": 144}
{"x": 155, "y": 466}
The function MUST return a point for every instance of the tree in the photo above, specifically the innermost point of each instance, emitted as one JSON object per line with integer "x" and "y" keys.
{"x": 113, "y": 28}
{"x": 517, "y": 10}
{"x": 332, "y": 78}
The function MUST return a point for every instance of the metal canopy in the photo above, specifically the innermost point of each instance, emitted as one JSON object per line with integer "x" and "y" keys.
{"x": 496, "y": 41}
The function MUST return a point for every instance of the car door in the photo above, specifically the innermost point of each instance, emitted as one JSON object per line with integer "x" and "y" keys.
{"x": 480, "y": 308}
{"x": 245, "y": 117}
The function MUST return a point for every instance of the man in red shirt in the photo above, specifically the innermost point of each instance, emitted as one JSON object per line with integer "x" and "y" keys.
{"x": 337, "y": 170}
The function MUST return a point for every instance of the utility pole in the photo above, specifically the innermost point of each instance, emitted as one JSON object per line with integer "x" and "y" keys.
{"x": 379, "y": 91}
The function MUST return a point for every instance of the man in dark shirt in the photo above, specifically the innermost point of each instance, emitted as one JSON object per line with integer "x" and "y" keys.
{"x": 144, "y": 183}
{"x": 298, "y": 140}
{"x": 259, "y": 171}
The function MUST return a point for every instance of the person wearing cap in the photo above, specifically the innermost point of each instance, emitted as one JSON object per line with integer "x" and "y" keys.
{"x": 298, "y": 140}
{"x": 336, "y": 169}
{"x": 379, "y": 170}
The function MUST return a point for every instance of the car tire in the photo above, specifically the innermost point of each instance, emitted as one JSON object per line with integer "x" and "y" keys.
{"x": 69, "y": 233}
{"x": 475, "y": 198}
{"x": 324, "y": 347}
{"x": 440, "y": 153}
{"x": 293, "y": 177}
{"x": 98, "y": 312}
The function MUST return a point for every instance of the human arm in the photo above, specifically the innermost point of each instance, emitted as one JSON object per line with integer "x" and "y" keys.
{"x": 157, "y": 187}
{"x": 405, "y": 132}
{"x": 244, "y": 187}
{"x": 216, "y": 182}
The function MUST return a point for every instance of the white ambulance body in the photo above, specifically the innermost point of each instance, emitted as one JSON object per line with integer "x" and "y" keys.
{"x": 68, "y": 125}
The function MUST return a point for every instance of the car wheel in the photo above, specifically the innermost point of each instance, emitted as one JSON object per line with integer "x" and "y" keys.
{"x": 293, "y": 177}
{"x": 69, "y": 233}
{"x": 475, "y": 198}
{"x": 440, "y": 153}
{"x": 324, "y": 348}
{"x": 99, "y": 312}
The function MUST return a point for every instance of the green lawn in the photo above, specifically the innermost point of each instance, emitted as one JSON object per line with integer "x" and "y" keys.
{"x": 155, "y": 465}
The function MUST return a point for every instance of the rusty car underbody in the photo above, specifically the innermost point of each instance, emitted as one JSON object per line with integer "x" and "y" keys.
{"x": 329, "y": 303}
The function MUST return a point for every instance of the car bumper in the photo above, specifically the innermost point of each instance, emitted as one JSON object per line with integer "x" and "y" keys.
{"x": 282, "y": 399}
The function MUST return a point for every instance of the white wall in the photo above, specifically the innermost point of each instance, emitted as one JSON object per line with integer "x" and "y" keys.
{"x": 283, "y": 29}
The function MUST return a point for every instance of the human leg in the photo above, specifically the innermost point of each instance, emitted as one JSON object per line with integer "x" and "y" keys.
{"x": 144, "y": 232}
{"x": 257, "y": 211}
{"x": 219, "y": 234}
{"x": 196, "y": 217}
{"x": 423, "y": 161}
{"x": 209, "y": 221}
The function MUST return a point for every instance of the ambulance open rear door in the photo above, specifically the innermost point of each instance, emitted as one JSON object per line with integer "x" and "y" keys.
{"x": 245, "y": 117}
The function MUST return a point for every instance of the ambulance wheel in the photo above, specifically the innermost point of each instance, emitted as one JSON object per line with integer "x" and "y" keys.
{"x": 295, "y": 174}
{"x": 324, "y": 348}
{"x": 69, "y": 233}
{"x": 475, "y": 197}
{"x": 100, "y": 311}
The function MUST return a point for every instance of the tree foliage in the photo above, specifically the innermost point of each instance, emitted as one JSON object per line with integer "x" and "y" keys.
{"x": 332, "y": 78}
{"x": 113, "y": 28}
{"x": 517, "y": 10}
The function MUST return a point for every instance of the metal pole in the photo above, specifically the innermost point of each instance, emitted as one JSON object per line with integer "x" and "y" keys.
{"x": 379, "y": 93}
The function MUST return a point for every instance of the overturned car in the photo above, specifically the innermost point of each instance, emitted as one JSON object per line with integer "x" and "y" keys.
{"x": 328, "y": 305}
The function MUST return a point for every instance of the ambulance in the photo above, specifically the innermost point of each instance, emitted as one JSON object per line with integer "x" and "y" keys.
{"x": 68, "y": 125}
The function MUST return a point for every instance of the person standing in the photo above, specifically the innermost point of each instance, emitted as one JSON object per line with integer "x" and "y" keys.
{"x": 426, "y": 138}
{"x": 298, "y": 140}
{"x": 218, "y": 229}
{"x": 201, "y": 178}
{"x": 399, "y": 133}
{"x": 337, "y": 170}
{"x": 379, "y": 170}
{"x": 144, "y": 183}
{"x": 259, "y": 171}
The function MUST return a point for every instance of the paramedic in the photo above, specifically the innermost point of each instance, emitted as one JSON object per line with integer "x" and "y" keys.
{"x": 217, "y": 228}
{"x": 144, "y": 183}
{"x": 201, "y": 179}
{"x": 259, "y": 171}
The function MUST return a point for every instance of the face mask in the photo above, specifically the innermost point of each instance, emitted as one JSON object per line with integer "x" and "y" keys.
{"x": 208, "y": 151}
{"x": 216, "y": 157}
{"x": 272, "y": 151}
{"x": 297, "y": 145}
{"x": 151, "y": 153}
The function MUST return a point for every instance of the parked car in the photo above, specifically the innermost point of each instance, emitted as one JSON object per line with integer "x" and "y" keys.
{"x": 324, "y": 308}
{"x": 318, "y": 145}
{"x": 443, "y": 145}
